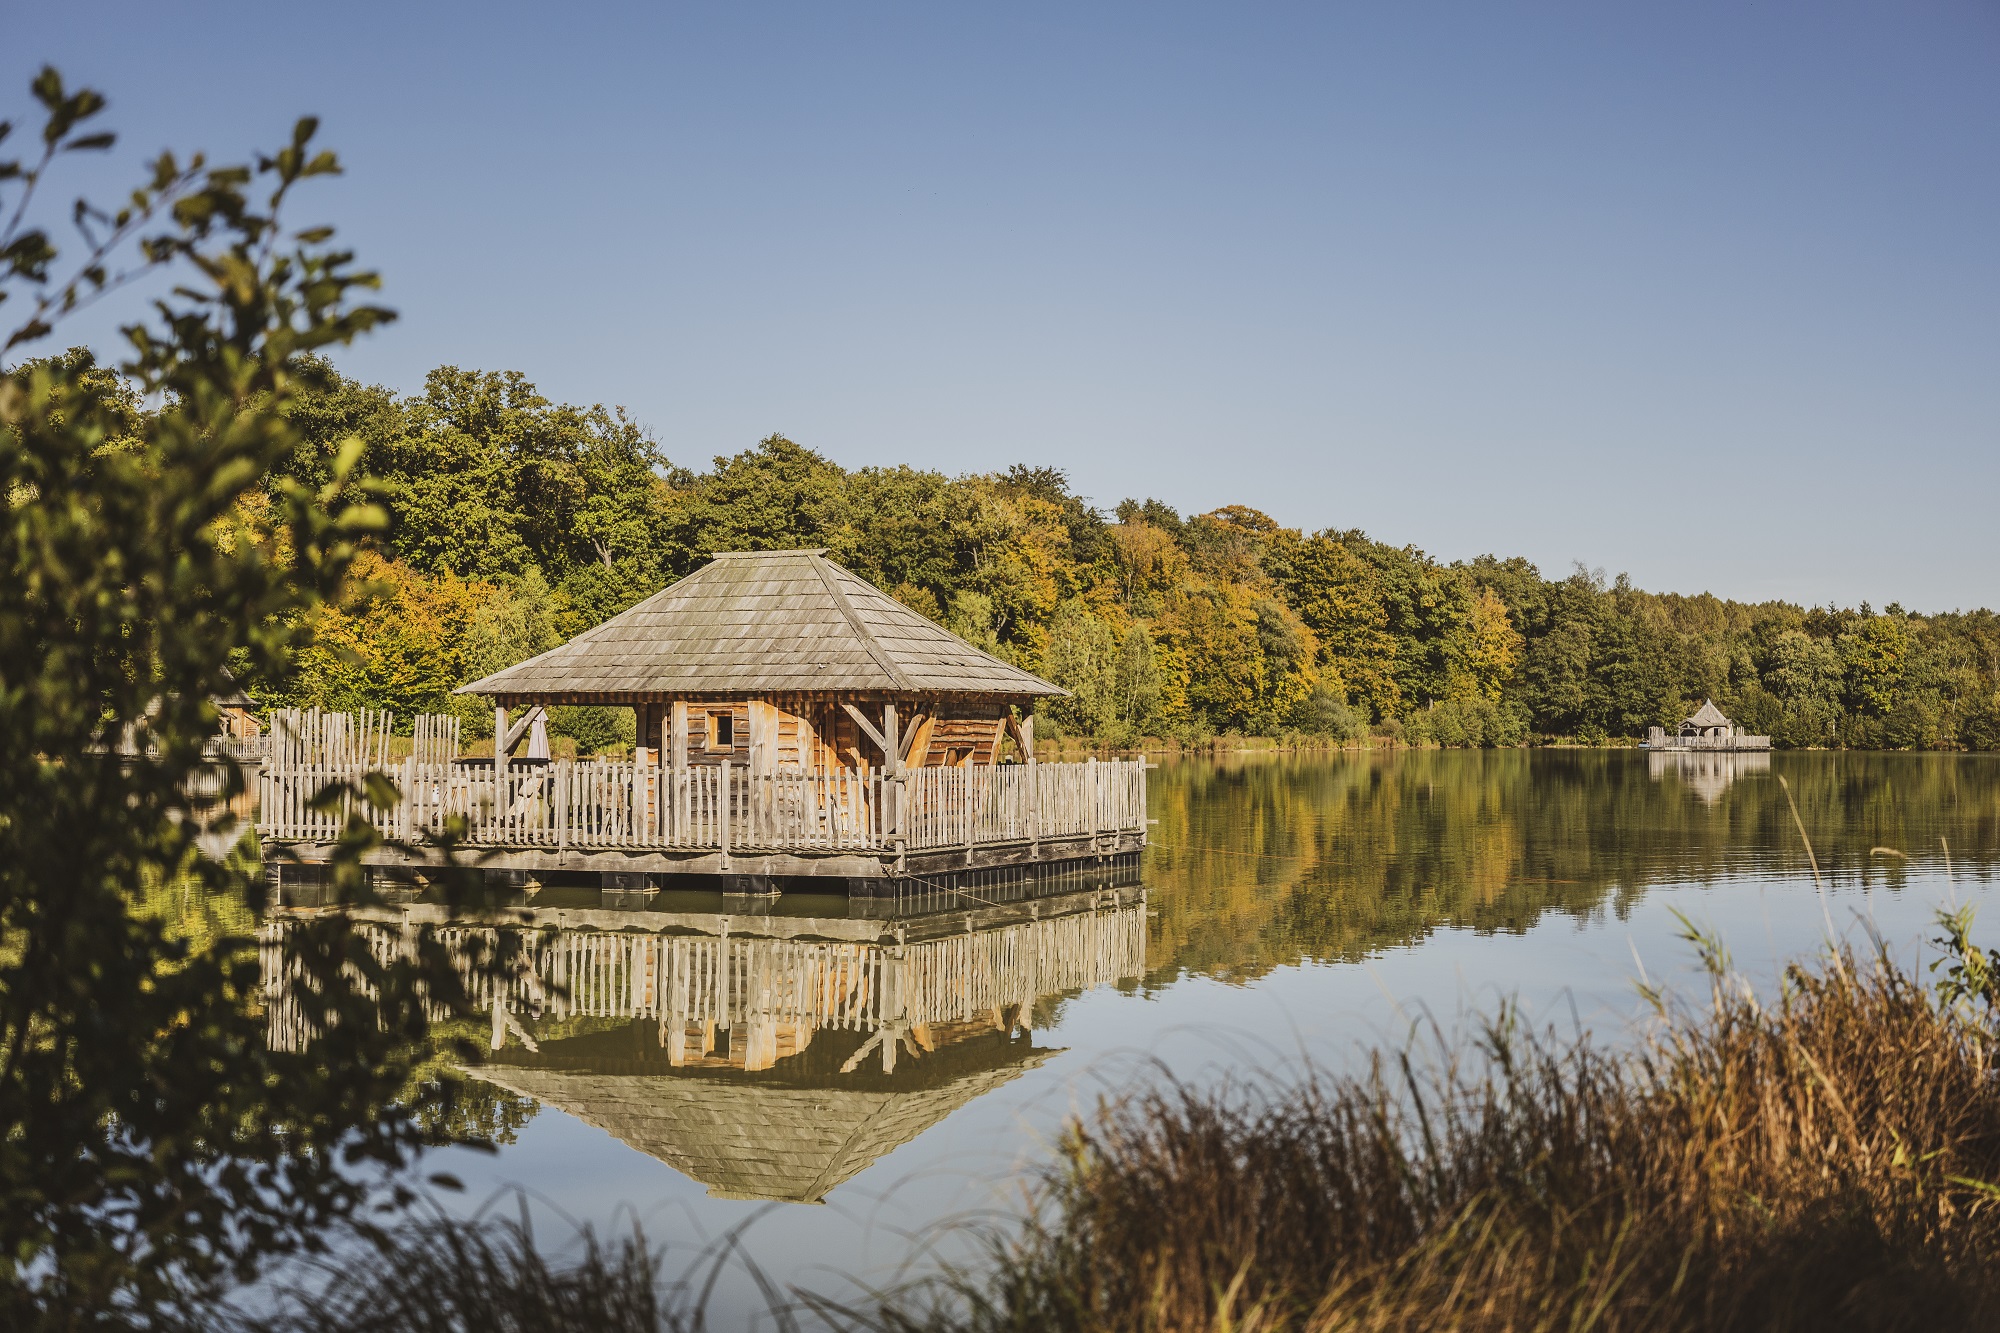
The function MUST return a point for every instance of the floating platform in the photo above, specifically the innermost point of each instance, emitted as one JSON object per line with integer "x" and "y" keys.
{"x": 634, "y": 820}
{"x": 1704, "y": 745}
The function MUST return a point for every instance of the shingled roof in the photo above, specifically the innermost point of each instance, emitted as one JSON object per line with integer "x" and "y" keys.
{"x": 764, "y": 622}
{"x": 1708, "y": 715}
{"x": 750, "y": 1141}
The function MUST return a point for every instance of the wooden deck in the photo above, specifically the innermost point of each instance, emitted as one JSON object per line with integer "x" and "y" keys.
{"x": 1659, "y": 739}
{"x": 721, "y": 819}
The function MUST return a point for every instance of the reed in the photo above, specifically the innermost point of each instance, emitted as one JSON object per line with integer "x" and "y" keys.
{"x": 487, "y": 1274}
{"x": 1825, "y": 1161}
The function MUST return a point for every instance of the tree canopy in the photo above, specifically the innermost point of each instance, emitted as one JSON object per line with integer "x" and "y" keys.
{"x": 518, "y": 521}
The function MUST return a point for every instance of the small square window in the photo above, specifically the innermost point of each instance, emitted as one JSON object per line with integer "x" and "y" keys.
{"x": 722, "y": 731}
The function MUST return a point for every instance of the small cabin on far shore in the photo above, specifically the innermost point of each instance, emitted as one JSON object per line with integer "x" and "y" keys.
{"x": 1707, "y": 728}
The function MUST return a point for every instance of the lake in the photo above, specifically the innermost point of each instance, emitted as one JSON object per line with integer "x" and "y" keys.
{"x": 1292, "y": 910}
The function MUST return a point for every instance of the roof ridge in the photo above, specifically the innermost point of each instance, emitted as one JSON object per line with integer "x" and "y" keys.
{"x": 741, "y": 555}
{"x": 821, "y": 565}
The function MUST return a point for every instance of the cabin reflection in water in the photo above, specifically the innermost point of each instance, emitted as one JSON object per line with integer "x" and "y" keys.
{"x": 1707, "y": 773}
{"x": 774, "y": 1057}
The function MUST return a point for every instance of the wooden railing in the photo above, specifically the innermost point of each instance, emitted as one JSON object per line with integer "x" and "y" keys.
{"x": 611, "y": 804}
{"x": 1659, "y": 738}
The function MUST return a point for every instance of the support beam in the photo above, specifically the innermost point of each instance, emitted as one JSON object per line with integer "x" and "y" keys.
{"x": 1022, "y": 729}
{"x": 868, "y": 730}
{"x": 918, "y": 723}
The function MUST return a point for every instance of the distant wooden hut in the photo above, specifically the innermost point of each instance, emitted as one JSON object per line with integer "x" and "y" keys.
{"x": 1708, "y": 721}
{"x": 1706, "y": 729}
{"x": 782, "y": 661}
{"x": 239, "y": 713}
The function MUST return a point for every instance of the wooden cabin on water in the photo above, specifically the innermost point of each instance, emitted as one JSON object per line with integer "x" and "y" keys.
{"x": 783, "y": 661}
{"x": 792, "y": 719}
{"x": 1708, "y": 728}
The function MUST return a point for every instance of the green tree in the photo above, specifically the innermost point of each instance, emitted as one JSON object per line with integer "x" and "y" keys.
{"x": 1873, "y": 656}
{"x": 1136, "y": 682}
{"x": 778, "y": 496}
{"x": 1633, "y": 662}
{"x": 156, "y": 1146}
{"x": 1338, "y": 595}
{"x": 1981, "y": 728}
{"x": 1558, "y": 684}
{"x": 1805, "y": 675}
{"x": 1082, "y": 657}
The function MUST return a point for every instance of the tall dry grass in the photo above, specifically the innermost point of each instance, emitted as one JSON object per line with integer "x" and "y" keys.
{"x": 451, "y": 1275}
{"x": 1826, "y": 1162}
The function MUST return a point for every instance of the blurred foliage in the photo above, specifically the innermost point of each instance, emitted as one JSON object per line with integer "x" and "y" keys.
{"x": 152, "y": 542}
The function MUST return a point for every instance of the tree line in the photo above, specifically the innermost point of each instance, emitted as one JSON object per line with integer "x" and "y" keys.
{"x": 517, "y": 522}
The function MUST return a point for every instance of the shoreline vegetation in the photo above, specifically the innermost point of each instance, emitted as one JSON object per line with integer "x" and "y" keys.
{"x": 1231, "y": 743}
{"x": 516, "y": 522}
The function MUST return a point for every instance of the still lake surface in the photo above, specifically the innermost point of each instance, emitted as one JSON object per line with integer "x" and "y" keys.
{"x": 1295, "y": 909}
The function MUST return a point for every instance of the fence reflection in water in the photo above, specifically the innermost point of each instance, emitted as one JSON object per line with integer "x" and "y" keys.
{"x": 773, "y": 992}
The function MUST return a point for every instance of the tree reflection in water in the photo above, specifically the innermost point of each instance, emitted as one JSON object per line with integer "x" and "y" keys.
{"x": 1265, "y": 860}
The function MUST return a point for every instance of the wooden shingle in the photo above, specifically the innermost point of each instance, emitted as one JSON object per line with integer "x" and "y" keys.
{"x": 764, "y": 622}
{"x": 749, "y": 1141}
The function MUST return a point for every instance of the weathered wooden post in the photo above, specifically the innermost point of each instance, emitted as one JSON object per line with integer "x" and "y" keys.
{"x": 971, "y": 773}
{"x": 677, "y": 742}
{"x": 667, "y": 774}
{"x": 1090, "y": 796}
{"x": 892, "y": 821}
{"x": 404, "y": 824}
{"x": 499, "y": 764}
{"x": 1145, "y": 825}
{"x": 1034, "y": 786}
{"x": 561, "y": 789}
{"x": 723, "y": 809}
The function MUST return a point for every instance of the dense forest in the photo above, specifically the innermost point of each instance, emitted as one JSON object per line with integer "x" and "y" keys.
{"x": 517, "y": 522}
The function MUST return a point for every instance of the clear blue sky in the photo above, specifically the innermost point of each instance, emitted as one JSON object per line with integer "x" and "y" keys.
{"x": 1707, "y": 293}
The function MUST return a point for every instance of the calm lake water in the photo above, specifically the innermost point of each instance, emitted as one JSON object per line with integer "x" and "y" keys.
{"x": 1294, "y": 909}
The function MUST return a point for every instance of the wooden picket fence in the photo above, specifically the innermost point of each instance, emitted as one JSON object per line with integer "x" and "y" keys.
{"x": 434, "y": 738}
{"x": 315, "y": 738}
{"x": 317, "y": 779}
